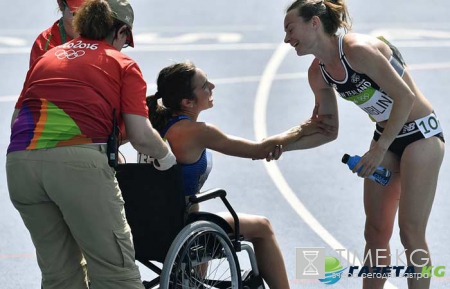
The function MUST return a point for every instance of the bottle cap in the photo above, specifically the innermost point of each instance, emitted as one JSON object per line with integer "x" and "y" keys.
{"x": 345, "y": 158}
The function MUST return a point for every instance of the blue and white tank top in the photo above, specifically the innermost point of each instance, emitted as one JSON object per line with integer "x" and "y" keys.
{"x": 195, "y": 174}
{"x": 361, "y": 89}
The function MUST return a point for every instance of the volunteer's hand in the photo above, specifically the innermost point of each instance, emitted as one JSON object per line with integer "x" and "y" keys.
{"x": 166, "y": 162}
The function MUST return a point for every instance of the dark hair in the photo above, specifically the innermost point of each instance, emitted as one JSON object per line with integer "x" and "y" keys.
{"x": 61, "y": 5}
{"x": 332, "y": 13}
{"x": 174, "y": 83}
{"x": 94, "y": 20}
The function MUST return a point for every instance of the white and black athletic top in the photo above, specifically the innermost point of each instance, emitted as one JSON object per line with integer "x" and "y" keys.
{"x": 360, "y": 89}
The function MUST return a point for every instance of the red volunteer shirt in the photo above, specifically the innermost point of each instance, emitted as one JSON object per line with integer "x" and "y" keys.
{"x": 48, "y": 39}
{"x": 70, "y": 93}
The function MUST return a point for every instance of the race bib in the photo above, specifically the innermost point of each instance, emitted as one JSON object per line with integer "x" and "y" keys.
{"x": 375, "y": 103}
{"x": 429, "y": 125}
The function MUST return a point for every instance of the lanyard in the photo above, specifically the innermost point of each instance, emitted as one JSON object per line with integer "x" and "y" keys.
{"x": 62, "y": 31}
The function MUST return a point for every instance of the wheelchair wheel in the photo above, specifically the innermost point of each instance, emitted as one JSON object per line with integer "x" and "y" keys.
{"x": 201, "y": 256}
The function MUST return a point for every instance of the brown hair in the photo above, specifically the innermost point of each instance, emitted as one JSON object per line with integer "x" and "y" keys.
{"x": 94, "y": 20}
{"x": 174, "y": 83}
{"x": 332, "y": 13}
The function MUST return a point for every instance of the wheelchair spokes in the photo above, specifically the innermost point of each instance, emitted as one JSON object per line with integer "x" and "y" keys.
{"x": 205, "y": 260}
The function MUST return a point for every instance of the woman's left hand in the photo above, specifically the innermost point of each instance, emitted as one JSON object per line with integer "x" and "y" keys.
{"x": 370, "y": 161}
{"x": 275, "y": 154}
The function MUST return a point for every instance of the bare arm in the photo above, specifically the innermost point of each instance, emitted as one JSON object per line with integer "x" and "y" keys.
{"x": 213, "y": 138}
{"x": 372, "y": 59}
{"x": 311, "y": 128}
{"x": 326, "y": 104}
{"x": 143, "y": 137}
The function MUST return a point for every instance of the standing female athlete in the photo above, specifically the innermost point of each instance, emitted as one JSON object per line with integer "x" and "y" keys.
{"x": 408, "y": 139}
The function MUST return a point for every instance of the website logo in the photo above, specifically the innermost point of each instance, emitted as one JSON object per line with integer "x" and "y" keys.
{"x": 310, "y": 263}
{"x": 333, "y": 271}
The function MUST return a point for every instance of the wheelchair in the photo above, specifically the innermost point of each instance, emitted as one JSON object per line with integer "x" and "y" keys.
{"x": 197, "y": 250}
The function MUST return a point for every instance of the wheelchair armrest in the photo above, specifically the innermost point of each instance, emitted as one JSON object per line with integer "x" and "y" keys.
{"x": 207, "y": 195}
{"x": 214, "y": 193}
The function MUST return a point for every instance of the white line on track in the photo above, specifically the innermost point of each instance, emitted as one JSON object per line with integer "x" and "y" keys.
{"x": 158, "y": 29}
{"x": 229, "y": 47}
{"x": 8, "y": 98}
{"x": 170, "y": 47}
{"x": 281, "y": 76}
{"x": 261, "y": 100}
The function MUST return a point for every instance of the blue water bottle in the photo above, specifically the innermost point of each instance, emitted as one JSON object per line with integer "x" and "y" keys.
{"x": 381, "y": 175}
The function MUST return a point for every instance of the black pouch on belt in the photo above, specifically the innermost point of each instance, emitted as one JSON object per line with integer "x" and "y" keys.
{"x": 112, "y": 149}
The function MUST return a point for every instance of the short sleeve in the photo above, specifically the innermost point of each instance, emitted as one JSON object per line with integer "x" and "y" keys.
{"x": 133, "y": 91}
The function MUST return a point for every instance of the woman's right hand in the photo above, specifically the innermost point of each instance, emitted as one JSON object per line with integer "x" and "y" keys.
{"x": 316, "y": 124}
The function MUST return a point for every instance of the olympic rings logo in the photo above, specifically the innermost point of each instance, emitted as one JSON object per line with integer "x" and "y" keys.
{"x": 355, "y": 78}
{"x": 69, "y": 54}
{"x": 364, "y": 97}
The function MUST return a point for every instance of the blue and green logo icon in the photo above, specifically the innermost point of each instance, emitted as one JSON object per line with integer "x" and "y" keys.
{"x": 333, "y": 271}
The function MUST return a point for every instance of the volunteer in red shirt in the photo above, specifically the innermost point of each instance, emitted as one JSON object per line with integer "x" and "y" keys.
{"x": 57, "y": 168}
{"x": 59, "y": 33}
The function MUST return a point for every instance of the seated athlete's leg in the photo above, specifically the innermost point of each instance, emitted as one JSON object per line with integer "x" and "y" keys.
{"x": 420, "y": 166}
{"x": 85, "y": 189}
{"x": 380, "y": 205}
{"x": 58, "y": 255}
{"x": 259, "y": 231}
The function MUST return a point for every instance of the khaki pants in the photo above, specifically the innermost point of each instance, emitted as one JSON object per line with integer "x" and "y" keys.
{"x": 69, "y": 200}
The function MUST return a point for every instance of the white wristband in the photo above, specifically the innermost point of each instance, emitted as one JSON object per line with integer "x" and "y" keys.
{"x": 166, "y": 162}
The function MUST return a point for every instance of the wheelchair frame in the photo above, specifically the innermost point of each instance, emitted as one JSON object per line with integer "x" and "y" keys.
{"x": 188, "y": 245}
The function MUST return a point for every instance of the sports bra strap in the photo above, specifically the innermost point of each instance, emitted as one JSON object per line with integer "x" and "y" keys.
{"x": 171, "y": 122}
{"x": 341, "y": 49}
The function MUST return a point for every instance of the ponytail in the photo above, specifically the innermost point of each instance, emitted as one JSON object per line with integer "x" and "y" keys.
{"x": 159, "y": 116}
{"x": 338, "y": 16}
{"x": 332, "y": 13}
{"x": 174, "y": 84}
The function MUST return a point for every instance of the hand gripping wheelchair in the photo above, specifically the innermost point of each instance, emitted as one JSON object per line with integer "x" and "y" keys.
{"x": 197, "y": 250}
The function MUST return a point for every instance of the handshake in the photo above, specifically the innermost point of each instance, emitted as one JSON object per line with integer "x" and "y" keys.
{"x": 161, "y": 164}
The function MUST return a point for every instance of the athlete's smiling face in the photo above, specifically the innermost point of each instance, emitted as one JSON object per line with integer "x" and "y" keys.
{"x": 203, "y": 90}
{"x": 299, "y": 33}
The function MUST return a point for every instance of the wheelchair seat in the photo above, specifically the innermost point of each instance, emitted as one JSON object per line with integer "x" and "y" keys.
{"x": 192, "y": 247}
{"x": 154, "y": 206}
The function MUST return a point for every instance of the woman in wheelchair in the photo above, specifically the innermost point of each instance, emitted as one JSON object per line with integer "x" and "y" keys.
{"x": 185, "y": 92}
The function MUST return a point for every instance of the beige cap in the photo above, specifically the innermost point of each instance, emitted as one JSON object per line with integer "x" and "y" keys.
{"x": 122, "y": 11}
